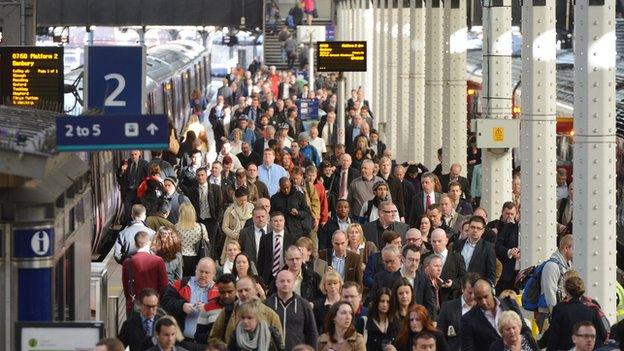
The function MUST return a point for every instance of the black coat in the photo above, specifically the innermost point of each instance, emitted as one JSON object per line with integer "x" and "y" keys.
{"x": 298, "y": 224}
{"x": 247, "y": 241}
{"x": 396, "y": 193}
{"x": 215, "y": 200}
{"x": 477, "y": 334}
{"x": 309, "y": 285}
{"x": 506, "y": 239}
{"x": 418, "y": 208}
{"x": 464, "y": 208}
{"x": 449, "y": 322}
{"x": 423, "y": 289}
{"x": 132, "y": 333}
{"x": 564, "y": 315}
{"x": 325, "y": 232}
{"x": 483, "y": 259}
{"x": 130, "y": 182}
{"x": 252, "y": 158}
{"x": 463, "y": 182}
{"x": 265, "y": 255}
{"x": 409, "y": 191}
{"x": 376, "y": 338}
{"x": 455, "y": 269}
{"x": 352, "y": 174}
{"x": 373, "y": 231}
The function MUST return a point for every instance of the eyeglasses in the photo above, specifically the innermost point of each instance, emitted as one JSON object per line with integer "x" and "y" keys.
{"x": 587, "y": 336}
{"x": 151, "y": 307}
{"x": 390, "y": 211}
{"x": 476, "y": 228}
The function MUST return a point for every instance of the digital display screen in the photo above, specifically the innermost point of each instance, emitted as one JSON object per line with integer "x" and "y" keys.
{"x": 32, "y": 76}
{"x": 341, "y": 56}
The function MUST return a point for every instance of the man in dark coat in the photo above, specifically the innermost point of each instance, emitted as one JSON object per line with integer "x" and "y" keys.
{"x": 508, "y": 253}
{"x": 449, "y": 318}
{"x": 387, "y": 212}
{"x": 478, "y": 253}
{"x": 140, "y": 326}
{"x": 339, "y": 220}
{"x": 293, "y": 205}
{"x": 129, "y": 176}
{"x": 207, "y": 199}
{"x": 477, "y": 329}
{"x": 269, "y": 264}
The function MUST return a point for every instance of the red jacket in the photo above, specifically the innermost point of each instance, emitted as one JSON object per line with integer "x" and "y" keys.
{"x": 149, "y": 272}
{"x": 320, "y": 190}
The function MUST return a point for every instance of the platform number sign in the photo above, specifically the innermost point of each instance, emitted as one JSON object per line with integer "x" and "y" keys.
{"x": 33, "y": 242}
{"x": 115, "y": 79}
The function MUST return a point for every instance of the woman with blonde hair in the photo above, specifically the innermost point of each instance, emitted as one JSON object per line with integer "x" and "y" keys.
{"x": 235, "y": 217}
{"x": 196, "y": 127}
{"x": 190, "y": 233}
{"x": 236, "y": 140}
{"x": 358, "y": 244}
{"x": 331, "y": 287}
{"x": 167, "y": 244}
{"x": 253, "y": 332}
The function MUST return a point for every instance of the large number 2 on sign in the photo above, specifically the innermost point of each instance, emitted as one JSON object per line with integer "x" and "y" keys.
{"x": 121, "y": 84}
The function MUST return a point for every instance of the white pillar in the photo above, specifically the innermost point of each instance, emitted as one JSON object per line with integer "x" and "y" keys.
{"x": 392, "y": 78}
{"x": 433, "y": 81}
{"x": 377, "y": 62}
{"x": 369, "y": 36}
{"x": 404, "y": 143}
{"x": 416, "y": 112}
{"x": 340, "y": 114}
{"x": 496, "y": 97}
{"x": 383, "y": 75}
{"x": 454, "y": 109}
{"x": 538, "y": 133}
{"x": 594, "y": 150}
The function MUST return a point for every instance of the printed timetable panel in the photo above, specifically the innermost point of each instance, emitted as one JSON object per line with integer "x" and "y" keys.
{"x": 32, "y": 76}
{"x": 341, "y": 56}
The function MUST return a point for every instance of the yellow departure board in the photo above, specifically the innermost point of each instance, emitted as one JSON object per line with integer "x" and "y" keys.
{"x": 341, "y": 56}
{"x": 32, "y": 76}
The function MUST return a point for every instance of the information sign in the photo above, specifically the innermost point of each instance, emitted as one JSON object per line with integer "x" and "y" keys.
{"x": 115, "y": 79}
{"x": 33, "y": 242}
{"x": 58, "y": 336}
{"x": 123, "y": 132}
{"x": 308, "y": 109}
{"x": 32, "y": 76}
{"x": 341, "y": 56}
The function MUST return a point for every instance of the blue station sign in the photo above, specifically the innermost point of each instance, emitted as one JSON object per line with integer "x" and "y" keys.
{"x": 100, "y": 133}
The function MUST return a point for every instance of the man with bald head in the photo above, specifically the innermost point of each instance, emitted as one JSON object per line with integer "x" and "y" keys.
{"x": 479, "y": 327}
{"x": 454, "y": 176}
{"x": 348, "y": 264}
{"x": 246, "y": 290}
{"x": 453, "y": 265}
{"x": 187, "y": 297}
{"x": 345, "y": 175}
{"x": 414, "y": 237}
{"x": 294, "y": 312}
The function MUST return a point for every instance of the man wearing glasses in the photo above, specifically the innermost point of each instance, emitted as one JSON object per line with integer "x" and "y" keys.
{"x": 386, "y": 221}
{"x": 140, "y": 327}
{"x": 583, "y": 336}
{"x": 479, "y": 255}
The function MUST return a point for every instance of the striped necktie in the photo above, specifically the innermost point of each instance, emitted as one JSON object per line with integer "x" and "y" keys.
{"x": 277, "y": 254}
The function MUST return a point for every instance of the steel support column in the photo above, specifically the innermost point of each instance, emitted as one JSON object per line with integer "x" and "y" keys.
{"x": 454, "y": 109}
{"x": 594, "y": 213}
{"x": 369, "y": 37}
{"x": 538, "y": 132}
{"x": 496, "y": 92}
{"x": 383, "y": 58}
{"x": 404, "y": 144}
{"x": 377, "y": 58}
{"x": 391, "y": 80}
{"x": 433, "y": 80}
{"x": 416, "y": 111}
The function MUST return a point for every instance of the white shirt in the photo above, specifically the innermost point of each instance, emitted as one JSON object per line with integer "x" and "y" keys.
{"x": 467, "y": 252}
{"x": 562, "y": 192}
{"x": 258, "y": 235}
{"x": 409, "y": 278}
{"x": 319, "y": 144}
{"x": 443, "y": 254}
{"x": 464, "y": 306}
{"x": 493, "y": 319}
{"x": 344, "y": 224}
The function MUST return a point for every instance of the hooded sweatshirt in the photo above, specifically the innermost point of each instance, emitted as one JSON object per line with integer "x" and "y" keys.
{"x": 297, "y": 320}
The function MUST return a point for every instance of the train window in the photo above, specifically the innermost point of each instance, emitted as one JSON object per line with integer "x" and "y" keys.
{"x": 183, "y": 79}
{"x": 150, "y": 103}
{"x": 565, "y": 147}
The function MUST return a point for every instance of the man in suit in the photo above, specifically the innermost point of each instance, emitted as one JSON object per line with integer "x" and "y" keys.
{"x": 462, "y": 206}
{"x": 139, "y": 327}
{"x": 345, "y": 175}
{"x": 129, "y": 176}
{"x": 254, "y": 111}
{"x": 207, "y": 200}
{"x": 346, "y": 263}
{"x": 387, "y": 212}
{"x": 478, "y": 326}
{"x": 422, "y": 200}
{"x": 394, "y": 185}
{"x": 328, "y": 130}
{"x": 407, "y": 189}
{"x": 249, "y": 238}
{"x": 450, "y": 217}
{"x": 142, "y": 270}
{"x": 508, "y": 253}
{"x": 262, "y": 144}
{"x": 339, "y": 220}
{"x": 166, "y": 332}
{"x": 272, "y": 248}
{"x": 124, "y": 245}
{"x": 454, "y": 176}
{"x": 449, "y": 318}
{"x": 353, "y": 130}
{"x": 478, "y": 254}
{"x": 453, "y": 266}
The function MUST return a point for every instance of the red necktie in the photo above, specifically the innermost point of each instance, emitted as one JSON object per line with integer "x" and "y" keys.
{"x": 428, "y": 202}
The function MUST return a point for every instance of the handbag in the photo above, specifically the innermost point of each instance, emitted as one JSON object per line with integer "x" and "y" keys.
{"x": 202, "y": 247}
{"x": 174, "y": 144}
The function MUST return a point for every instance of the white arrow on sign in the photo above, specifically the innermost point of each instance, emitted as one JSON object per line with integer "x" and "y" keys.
{"x": 152, "y": 128}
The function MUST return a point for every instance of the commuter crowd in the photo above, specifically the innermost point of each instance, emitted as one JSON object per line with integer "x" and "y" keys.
{"x": 257, "y": 230}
